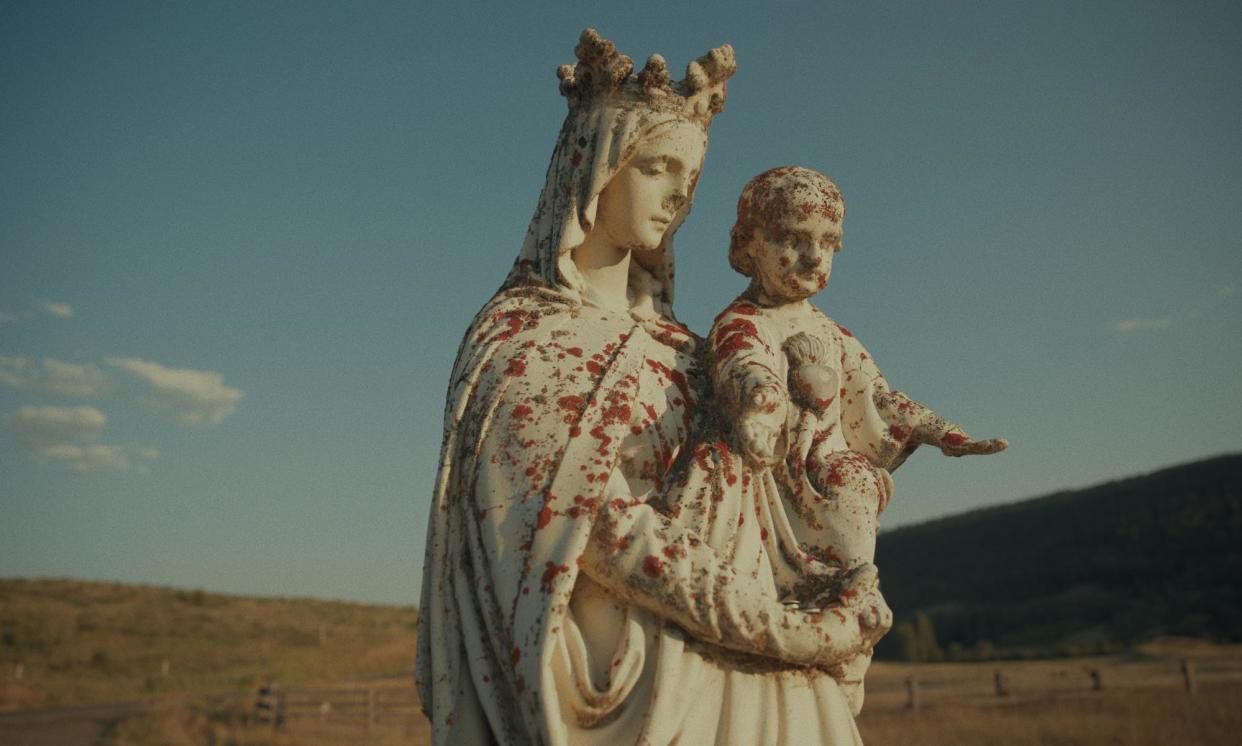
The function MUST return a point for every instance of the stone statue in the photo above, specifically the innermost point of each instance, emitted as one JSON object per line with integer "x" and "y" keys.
{"x": 566, "y": 597}
{"x": 815, "y": 421}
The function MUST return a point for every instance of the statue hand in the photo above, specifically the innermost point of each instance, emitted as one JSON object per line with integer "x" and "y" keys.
{"x": 861, "y": 592}
{"x": 760, "y": 424}
{"x": 851, "y": 622}
{"x": 959, "y": 444}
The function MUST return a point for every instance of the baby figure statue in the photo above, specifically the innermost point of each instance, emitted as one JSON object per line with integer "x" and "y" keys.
{"x": 802, "y": 396}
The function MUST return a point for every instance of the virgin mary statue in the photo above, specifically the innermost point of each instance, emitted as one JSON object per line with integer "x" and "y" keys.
{"x": 559, "y": 604}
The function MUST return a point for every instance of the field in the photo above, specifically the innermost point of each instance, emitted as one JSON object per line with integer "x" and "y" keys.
{"x": 65, "y": 642}
{"x": 343, "y": 671}
{"x": 1142, "y": 700}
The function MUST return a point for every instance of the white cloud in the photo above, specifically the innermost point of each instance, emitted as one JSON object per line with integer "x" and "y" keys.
{"x": 1224, "y": 291}
{"x": 87, "y": 459}
{"x": 1158, "y": 323}
{"x": 13, "y": 371}
{"x": 6, "y": 318}
{"x": 55, "y": 377}
{"x": 44, "y": 429}
{"x": 1142, "y": 325}
{"x": 63, "y": 434}
{"x": 59, "y": 310}
{"x": 193, "y": 396}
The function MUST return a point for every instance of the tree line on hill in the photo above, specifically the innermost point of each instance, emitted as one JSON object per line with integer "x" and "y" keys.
{"x": 1077, "y": 572}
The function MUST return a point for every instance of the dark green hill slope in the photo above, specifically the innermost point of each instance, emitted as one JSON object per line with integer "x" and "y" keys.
{"x": 1077, "y": 571}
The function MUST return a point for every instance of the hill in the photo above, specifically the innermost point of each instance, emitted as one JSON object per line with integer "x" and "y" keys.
{"x": 80, "y": 642}
{"x": 1082, "y": 571}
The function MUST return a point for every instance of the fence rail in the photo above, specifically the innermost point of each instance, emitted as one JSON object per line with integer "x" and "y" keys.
{"x": 354, "y": 707}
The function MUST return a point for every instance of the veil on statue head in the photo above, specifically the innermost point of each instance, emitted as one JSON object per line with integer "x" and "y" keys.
{"x": 611, "y": 112}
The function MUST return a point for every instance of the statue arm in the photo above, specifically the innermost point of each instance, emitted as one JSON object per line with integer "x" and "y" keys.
{"x": 748, "y": 385}
{"x": 643, "y": 558}
{"x": 910, "y": 423}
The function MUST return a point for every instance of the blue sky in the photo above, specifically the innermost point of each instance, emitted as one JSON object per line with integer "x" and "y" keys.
{"x": 239, "y": 243}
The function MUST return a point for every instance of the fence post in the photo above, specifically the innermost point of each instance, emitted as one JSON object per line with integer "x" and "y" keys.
{"x": 370, "y": 709}
{"x": 1188, "y": 675}
{"x": 267, "y": 704}
{"x": 998, "y": 683}
{"x": 912, "y": 693}
{"x": 1097, "y": 683}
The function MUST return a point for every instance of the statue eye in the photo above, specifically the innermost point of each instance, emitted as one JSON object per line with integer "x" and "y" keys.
{"x": 653, "y": 167}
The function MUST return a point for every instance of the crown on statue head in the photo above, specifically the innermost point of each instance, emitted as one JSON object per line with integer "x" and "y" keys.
{"x": 603, "y": 76}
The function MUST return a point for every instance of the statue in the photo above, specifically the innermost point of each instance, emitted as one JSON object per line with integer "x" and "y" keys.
{"x": 581, "y": 584}
{"x": 807, "y": 407}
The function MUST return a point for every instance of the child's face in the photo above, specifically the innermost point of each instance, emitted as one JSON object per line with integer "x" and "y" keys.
{"x": 793, "y": 254}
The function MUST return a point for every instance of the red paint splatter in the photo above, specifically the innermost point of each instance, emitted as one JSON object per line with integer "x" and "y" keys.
{"x": 573, "y": 406}
{"x": 545, "y": 517}
{"x": 515, "y": 655}
{"x": 549, "y": 575}
{"x": 575, "y": 351}
{"x": 844, "y": 331}
{"x": 954, "y": 439}
{"x": 604, "y": 439}
{"x": 521, "y": 411}
{"x": 653, "y": 566}
{"x": 517, "y": 366}
{"x": 595, "y": 368}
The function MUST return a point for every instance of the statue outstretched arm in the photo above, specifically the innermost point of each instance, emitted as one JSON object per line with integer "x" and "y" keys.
{"x": 906, "y": 423}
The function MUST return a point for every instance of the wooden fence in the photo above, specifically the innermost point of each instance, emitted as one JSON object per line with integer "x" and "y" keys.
{"x": 367, "y": 709}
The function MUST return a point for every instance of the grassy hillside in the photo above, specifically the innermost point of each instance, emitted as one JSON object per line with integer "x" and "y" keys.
{"x": 1082, "y": 571}
{"x": 80, "y": 642}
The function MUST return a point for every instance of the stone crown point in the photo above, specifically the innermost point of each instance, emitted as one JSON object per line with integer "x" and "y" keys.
{"x": 603, "y": 76}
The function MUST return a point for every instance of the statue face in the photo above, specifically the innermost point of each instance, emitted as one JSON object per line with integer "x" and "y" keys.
{"x": 793, "y": 254}
{"x": 637, "y": 207}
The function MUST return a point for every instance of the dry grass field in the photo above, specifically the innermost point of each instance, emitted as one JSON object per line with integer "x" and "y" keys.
{"x": 1142, "y": 700}
{"x": 80, "y": 643}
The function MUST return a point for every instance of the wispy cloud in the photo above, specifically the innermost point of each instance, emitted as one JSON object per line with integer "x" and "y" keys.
{"x": 54, "y": 377}
{"x": 1157, "y": 323}
{"x": 91, "y": 458}
{"x": 7, "y": 318}
{"x": 64, "y": 434}
{"x": 39, "y": 429}
{"x": 1224, "y": 291}
{"x": 59, "y": 310}
{"x": 193, "y": 397}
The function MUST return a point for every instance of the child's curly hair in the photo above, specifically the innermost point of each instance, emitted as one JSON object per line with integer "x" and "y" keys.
{"x": 776, "y": 193}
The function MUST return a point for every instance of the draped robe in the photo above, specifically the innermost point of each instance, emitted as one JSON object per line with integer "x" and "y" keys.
{"x": 559, "y": 606}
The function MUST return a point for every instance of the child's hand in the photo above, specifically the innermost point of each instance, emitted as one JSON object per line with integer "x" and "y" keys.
{"x": 959, "y": 444}
{"x": 760, "y": 425}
